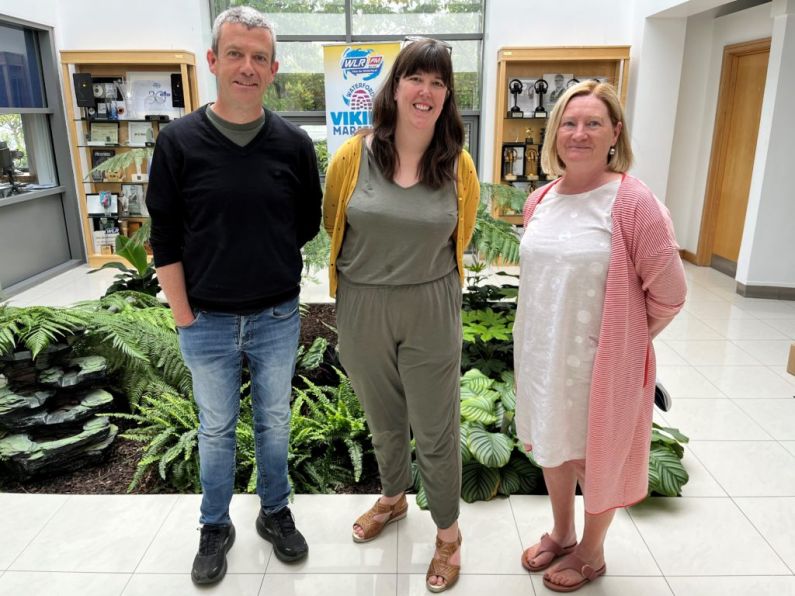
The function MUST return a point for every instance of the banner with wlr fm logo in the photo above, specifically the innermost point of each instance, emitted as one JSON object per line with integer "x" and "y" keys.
{"x": 354, "y": 73}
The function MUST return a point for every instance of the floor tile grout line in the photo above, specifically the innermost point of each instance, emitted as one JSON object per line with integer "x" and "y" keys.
{"x": 756, "y": 421}
{"x": 154, "y": 537}
{"x": 759, "y": 531}
{"x": 519, "y": 535}
{"x": 261, "y": 584}
{"x": 43, "y": 526}
{"x": 648, "y": 548}
{"x": 711, "y": 475}
{"x": 399, "y": 525}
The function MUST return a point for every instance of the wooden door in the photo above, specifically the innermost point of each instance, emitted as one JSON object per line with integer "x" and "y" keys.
{"x": 733, "y": 149}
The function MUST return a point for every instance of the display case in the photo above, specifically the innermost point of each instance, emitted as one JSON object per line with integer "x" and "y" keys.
{"x": 117, "y": 102}
{"x": 529, "y": 81}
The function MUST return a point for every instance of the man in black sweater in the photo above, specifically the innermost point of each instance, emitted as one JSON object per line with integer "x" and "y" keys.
{"x": 234, "y": 193}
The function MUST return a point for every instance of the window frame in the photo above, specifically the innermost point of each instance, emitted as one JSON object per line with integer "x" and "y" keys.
{"x": 58, "y": 139}
{"x": 469, "y": 116}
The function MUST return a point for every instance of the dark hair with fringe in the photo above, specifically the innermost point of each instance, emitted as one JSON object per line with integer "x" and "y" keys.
{"x": 437, "y": 165}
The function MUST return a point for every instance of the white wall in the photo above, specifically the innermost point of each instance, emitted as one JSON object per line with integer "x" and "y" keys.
{"x": 655, "y": 70}
{"x": 697, "y": 103}
{"x": 136, "y": 25}
{"x": 41, "y": 12}
{"x": 551, "y": 23}
{"x": 139, "y": 25}
{"x": 767, "y": 255}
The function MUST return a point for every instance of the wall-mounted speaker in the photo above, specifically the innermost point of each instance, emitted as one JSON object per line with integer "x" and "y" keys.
{"x": 177, "y": 93}
{"x": 84, "y": 90}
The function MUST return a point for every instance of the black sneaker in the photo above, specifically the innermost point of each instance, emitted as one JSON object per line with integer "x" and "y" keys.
{"x": 209, "y": 565}
{"x": 279, "y": 529}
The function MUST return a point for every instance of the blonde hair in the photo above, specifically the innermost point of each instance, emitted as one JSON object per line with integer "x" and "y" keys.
{"x": 621, "y": 161}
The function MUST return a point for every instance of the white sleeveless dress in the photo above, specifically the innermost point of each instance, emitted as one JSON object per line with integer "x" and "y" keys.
{"x": 564, "y": 257}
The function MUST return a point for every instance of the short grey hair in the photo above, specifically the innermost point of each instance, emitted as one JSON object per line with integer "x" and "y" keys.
{"x": 245, "y": 15}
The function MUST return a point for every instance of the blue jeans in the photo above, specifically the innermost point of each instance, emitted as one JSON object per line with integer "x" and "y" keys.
{"x": 213, "y": 347}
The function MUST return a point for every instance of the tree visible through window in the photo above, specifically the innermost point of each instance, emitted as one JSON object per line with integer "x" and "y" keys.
{"x": 13, "y": 134}
{"x": 303, "y": 26}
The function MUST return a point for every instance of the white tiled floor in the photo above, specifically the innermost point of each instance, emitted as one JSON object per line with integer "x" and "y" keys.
{"x": 731, "y": 534}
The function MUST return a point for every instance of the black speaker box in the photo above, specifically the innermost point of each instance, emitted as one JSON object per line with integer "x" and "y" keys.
{"x": 177, "y": 93}
{"x": 84, "y": 90}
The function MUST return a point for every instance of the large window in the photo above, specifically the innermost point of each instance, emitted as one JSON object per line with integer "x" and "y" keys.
{"x": 39, "y": 216}
{"x": 303, "y": 26}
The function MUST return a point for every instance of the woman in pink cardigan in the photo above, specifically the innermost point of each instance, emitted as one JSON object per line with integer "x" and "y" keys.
{"x": 601, "y": 276}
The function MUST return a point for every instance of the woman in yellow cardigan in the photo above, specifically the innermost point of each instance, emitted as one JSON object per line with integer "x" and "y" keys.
{"x": 400, "y": 207}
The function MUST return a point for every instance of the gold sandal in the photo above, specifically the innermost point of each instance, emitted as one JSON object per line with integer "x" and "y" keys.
{"x": 371, "y": 527}
{"x": 440, "y": 567}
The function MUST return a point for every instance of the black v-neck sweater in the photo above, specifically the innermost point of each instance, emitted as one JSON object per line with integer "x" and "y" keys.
{"x": 236, "y": 217}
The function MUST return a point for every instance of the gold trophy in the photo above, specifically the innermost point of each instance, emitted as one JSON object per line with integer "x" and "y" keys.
{"x": 508, "y": 159}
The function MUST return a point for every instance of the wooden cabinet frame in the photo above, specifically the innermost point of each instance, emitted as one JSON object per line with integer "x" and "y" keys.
{"x": 532, "y": 63}
{"x": 108, "y": 63}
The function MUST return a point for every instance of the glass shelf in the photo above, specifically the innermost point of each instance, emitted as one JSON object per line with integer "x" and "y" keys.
{"x": 508, "y": 117}
{"x": 116, "y": 146}
{"x": 106, "y": 121}
{"x": 114, "y": 182}
{"x": 124, "y": 217}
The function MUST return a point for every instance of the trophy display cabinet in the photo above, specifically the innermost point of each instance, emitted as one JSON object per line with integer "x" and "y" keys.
{"x": 116, "y": 104}
{"x": 529, "y": 82}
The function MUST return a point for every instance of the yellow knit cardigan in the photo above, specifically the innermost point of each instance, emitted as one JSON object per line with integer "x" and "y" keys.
{"x": 341, "y": 178}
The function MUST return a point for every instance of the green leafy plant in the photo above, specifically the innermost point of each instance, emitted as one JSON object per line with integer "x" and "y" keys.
{"x": 35, "y": 328}
{"x": 141, "y": 277}
{"x": 488, "y": 340}
{"x": 312, "y": 357}
{"x": 329, "y": 438}
{"x": 487, "y": 324}
{"x": 667, "y": 475}
{"x": 168, "y": 424}
{"x": 123, "y": 160}
{"x": 316, "y": 253}
{"x": 493, "y": 239}
{"x": 481, "y": 295}
{"x": 493, "y": 461}
{"x": 508, "y": 198}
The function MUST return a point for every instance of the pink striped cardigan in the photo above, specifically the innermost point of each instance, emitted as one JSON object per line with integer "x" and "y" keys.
{"x": 645, "y": 289}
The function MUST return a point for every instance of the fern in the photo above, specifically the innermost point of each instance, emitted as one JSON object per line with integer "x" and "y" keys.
{"x": 35, "y": 328}
{"x": 494, "y": 239}
{"x": 328, "y": 437}
{"x": 507, "y": 198}
{"x": 122, "y": 161}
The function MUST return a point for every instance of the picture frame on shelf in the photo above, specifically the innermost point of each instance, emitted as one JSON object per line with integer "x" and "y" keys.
{"x": 150, "y": 93}
{"x": 104, "y": 133}
{"x": 513, "y": 161}
{"x": 133, "y": 199}
{"x": 104, "y": 233}
{"x": 102, "y": 204}
{"x": 140, "y": 134}
{"x": 558, "y": 83}
{"x": 99, "y": 156}
{"x": 527, "y": 99}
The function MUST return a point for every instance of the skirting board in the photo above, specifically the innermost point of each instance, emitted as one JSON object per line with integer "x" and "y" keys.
{"x": 771, "y": 292}
{"x": 688, "y": 256}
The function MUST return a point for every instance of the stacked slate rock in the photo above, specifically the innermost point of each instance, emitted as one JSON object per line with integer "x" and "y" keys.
{"x": 48, "y": 412}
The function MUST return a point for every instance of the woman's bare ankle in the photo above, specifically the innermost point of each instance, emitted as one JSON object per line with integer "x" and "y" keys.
{"x": 390, "y": 500}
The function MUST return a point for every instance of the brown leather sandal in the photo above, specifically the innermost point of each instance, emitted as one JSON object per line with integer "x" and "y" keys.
{"x": 449, "y": 573}
{"x": 546, "y": 545}
{"x": 371, "y": 527}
